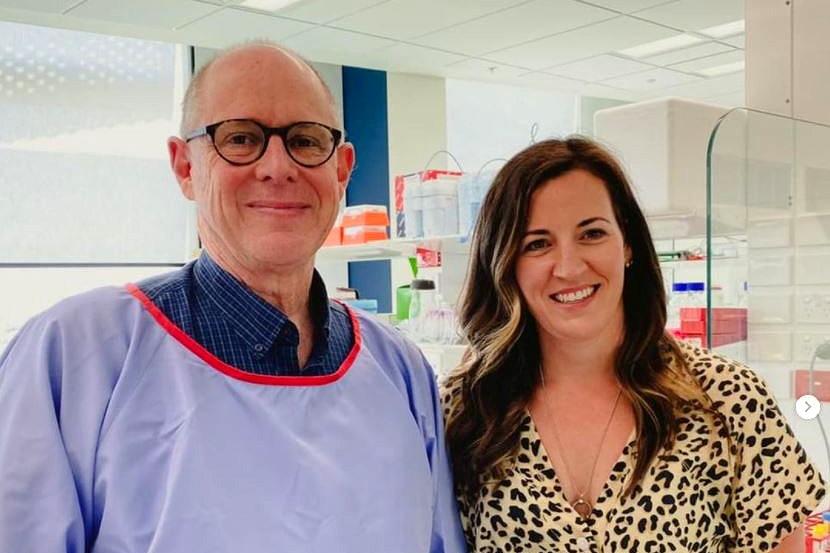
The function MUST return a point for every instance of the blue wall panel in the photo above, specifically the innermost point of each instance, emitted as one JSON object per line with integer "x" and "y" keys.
{"x": 366, "y": 122}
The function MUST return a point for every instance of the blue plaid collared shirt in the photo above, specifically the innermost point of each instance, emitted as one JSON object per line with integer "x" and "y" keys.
{"x": 242, "y": 329}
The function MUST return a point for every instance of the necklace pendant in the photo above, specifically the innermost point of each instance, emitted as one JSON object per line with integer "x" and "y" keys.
{"x": 583, "y": 508}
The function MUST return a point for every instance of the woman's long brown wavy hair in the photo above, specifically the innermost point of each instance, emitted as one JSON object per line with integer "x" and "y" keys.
{"x": 501, "y": 368}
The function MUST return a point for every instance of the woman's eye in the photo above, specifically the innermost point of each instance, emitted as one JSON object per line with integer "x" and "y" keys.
{"x": 535, "y": 245}
{"x": 594, "y": 233}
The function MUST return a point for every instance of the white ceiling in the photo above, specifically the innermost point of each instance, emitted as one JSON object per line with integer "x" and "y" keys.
{"x": 572, "y": 45}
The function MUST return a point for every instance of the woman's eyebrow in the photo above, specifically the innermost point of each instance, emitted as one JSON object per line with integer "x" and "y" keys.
{"x": 592, "y": 220}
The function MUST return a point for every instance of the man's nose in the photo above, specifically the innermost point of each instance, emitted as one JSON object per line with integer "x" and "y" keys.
{"x": 275, "y": 161}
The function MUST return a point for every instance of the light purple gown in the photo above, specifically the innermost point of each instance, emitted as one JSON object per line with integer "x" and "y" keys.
{"x": 120, "y": 434}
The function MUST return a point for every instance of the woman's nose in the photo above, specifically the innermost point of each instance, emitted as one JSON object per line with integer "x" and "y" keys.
{"x": 568, "y": 262}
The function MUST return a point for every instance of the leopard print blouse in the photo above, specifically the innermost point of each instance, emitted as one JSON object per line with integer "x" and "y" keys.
{"x": 702, "y": 495}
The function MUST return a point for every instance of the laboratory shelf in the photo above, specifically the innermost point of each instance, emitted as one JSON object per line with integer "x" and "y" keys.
{"x": 384, "y": 249}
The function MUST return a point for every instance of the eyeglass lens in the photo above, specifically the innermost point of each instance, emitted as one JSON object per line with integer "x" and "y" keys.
{"x": 242, "y": 142}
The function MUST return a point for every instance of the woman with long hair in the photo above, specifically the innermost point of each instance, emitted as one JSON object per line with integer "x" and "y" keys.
{"x": 575, "y": 423}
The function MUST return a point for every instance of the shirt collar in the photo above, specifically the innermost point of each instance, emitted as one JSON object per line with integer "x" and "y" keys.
{"x": 255, "y": 320}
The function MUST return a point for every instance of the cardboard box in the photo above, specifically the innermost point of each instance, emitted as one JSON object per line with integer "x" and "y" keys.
{"x": 725, "y": 321}
{"x": 365, "y": 215}
{"x": 821, "y": 383}
{"x": 363, "y": 233}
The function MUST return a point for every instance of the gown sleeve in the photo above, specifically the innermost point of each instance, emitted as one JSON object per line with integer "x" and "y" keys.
{"x": 53, "y": 395}
{"x": 447, "y": 535}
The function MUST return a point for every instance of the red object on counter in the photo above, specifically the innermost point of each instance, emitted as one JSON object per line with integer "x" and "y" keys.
{"x": 728, "y": 325}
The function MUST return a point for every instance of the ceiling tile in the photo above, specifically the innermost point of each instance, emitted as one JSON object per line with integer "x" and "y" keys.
{"x": 602, "y": 91}
{"x": 710, "y": 61}
{"x": 404, "y": 19}
{"x": 555, "y": 44}
{"x": 552, "y": 81}
{"x": 231, "y": 26}
{"x": 323, "y": 11}
{"x": 148, "y": 13}
{"x": 598, "y": 68}
{"x": 690, "y": 53}
{"x": 529, "y": 21}
{"x": 408, "y": 58}
{"x": 540, "y": 79}
{"x": 653, "y": 79}
{"x": 732, "y": 99}
{"x": 692, "y": 15}
{"x": 53, "y": 6}
{"x": 473, "y": 68}
{"x": 703, "y": 88}
{"x": 629, "y": 6}
{"x": 216, "y": 2}
{"x": 335, "y": 45}
{"x": 599, "y": 38}
{"x": 738, "y": 40}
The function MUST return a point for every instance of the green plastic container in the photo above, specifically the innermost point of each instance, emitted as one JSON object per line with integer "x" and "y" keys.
{"x": 402, "y": 296}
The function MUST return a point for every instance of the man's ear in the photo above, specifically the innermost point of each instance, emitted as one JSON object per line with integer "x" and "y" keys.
{"x": 345, "y": 164}
{"x": 180, "y": 163}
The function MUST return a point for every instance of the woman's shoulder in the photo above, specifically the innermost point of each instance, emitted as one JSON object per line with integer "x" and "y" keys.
{"x": 725, "y": 381}
{"x": 449, "y": 390}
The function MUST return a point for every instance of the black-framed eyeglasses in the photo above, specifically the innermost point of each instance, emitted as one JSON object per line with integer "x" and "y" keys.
{"x": 243, "y": 141}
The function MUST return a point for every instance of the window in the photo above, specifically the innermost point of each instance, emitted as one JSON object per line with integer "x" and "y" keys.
{"x": 84, "y": 176}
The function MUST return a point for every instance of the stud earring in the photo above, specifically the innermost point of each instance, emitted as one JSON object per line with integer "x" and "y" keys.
{"x": 628, "y": 264}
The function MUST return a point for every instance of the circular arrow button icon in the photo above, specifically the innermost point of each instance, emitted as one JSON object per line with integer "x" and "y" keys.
{"x": 807, "y": 407}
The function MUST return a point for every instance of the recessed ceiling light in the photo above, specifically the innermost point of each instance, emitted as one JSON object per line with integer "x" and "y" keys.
{"x": 722, "y": 69}
{"x": 660, "y": 46}
{"x": 725, "y": 30}
{"x": 268, "y": 5}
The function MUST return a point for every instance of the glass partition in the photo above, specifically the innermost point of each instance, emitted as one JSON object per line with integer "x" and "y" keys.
{"x": 768, "y": 191}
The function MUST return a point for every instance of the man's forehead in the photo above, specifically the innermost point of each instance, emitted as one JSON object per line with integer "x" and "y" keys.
{"x": 261, "y": 66}
{"x": 264, "y": 80}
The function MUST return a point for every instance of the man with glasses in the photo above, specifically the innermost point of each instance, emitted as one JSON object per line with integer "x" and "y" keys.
{"x": 230, "y": 405}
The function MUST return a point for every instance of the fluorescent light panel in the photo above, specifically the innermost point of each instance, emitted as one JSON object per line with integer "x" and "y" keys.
{"x": 722, "y": 69}
{"x": 268, "y": 5}
{"x": 659, "y": 46}
{"x": 725, "y": 30}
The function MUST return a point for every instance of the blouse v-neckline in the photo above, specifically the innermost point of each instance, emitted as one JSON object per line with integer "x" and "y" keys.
{"x": 550, "y": 485}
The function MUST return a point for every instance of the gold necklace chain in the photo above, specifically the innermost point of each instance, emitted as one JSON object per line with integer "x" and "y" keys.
{"x": 581, "y": 505}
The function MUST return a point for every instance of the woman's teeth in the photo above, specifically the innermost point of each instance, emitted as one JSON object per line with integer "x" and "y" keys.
{"x": 579, "y": 295}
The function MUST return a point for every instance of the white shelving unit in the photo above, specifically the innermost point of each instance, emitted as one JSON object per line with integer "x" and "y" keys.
{"x": 453, "y": 248}
{"x": 384, "y": 249}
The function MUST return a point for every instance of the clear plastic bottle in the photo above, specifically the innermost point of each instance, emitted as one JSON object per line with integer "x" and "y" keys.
{"x": 439, "y": 201}
{"x": 413, "y": 202}
{"x": 743, "y": 295}
{"x": 467, "y": 203}
{"x": 422, "y": 302}
{"x": 471, "y": 192}
{"x": 717, "y": 296}
{"x": 696, "y": 295}
{"x": 677, "y": 299}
